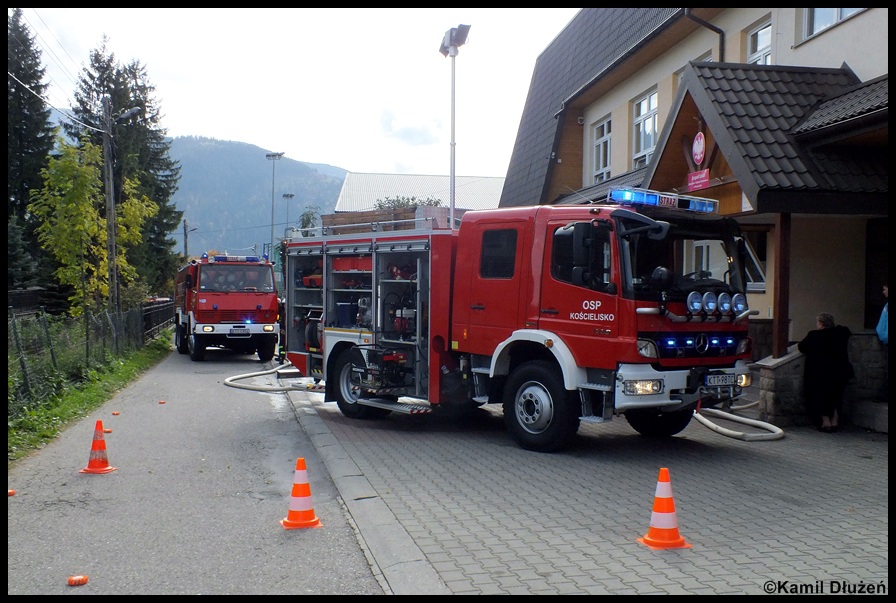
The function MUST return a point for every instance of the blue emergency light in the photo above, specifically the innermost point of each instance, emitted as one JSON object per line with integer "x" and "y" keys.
{"x": 232, "y": 258}
{"x": 640, "y": 196}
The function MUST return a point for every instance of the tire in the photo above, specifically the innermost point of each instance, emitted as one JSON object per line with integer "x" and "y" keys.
{"x": 196, "y": 346}
{"x": 266, "y": 349}
{"x": 652, "y": 423}
{"x": 180, "y": 339}
{"x": 347, "y": 396}
{"x": 540, "y": 414}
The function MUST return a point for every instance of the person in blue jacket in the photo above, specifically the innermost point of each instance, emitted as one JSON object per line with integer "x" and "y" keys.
{"x": 883, "y": 325}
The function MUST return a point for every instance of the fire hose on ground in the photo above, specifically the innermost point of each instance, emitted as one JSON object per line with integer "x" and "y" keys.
{"x": 771, "y": 432}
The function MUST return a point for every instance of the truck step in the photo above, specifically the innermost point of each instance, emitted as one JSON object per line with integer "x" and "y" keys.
{"x": 594, "y": 419}
{"x": 596, "y": 386}
{"x": 404, "y": 408}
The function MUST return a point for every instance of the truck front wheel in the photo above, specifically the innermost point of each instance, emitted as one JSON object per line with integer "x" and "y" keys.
{"x": 267, "y": 348}
{"x": 197, "y": 347}
{"x": 347, "y": 394}
{"x": 652, "y": 423}
{"x": 539, "y": 412}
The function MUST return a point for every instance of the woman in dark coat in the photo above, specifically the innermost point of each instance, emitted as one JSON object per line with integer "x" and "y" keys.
{"x": 827, "y": 371}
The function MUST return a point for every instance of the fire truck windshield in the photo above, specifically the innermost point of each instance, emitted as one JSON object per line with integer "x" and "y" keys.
{"x": 224, "y": 277}
{"x": 694, "y": 255}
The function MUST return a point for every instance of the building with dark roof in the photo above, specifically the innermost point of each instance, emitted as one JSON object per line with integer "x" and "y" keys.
{"x": 780, "y": 114}
{"x": 792, "y": 105}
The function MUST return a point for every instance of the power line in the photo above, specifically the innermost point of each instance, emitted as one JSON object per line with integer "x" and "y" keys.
{"x": 57, "y": 109}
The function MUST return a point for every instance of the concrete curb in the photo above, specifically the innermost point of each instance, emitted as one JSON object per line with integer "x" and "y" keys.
{"x": 402, "y": 567}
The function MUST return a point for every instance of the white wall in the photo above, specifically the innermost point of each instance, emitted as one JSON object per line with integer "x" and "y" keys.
{"x": 827, "y": 272}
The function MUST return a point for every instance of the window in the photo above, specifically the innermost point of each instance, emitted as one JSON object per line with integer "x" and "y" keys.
{"x": 706, "y": 57}
{"x": 644, "y": 129}
{"x": 759, "y": 45}
{"x": 602, "y": 133}
{"x": 498, "y": 254}
{"x": 756, "y": 244}
{"x": 597, "y": 273}
{"x": 819, "y": 19}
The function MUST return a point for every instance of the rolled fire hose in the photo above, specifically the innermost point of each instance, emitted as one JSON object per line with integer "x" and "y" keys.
{"x": 773, "y": 432}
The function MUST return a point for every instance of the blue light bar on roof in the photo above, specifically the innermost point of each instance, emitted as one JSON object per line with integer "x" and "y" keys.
{"x": 640, "y": 196}
{"x": 234, "y": 258}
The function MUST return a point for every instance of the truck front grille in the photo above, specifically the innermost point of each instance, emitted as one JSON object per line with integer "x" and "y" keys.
{"x": 235, "y": 316}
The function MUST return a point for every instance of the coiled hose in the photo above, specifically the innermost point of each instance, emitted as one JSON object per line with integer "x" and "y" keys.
{"x": 771, "y": 431}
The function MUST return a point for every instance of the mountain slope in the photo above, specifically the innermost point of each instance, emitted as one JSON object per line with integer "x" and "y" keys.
{"x": 225, "y": 192}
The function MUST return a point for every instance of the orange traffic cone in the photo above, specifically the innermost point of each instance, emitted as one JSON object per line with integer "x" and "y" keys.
{"x": 663, "y": 531}
{"x": 301, "y": 512}
{"x": 98, "y": 462}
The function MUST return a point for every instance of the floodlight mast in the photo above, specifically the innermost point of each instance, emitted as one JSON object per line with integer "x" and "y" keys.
{"x": 454, "y": 38}
{"x": 273, "y": 157}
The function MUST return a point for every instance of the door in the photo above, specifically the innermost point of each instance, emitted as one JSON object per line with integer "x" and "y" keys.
{"x": 494, "y": 295}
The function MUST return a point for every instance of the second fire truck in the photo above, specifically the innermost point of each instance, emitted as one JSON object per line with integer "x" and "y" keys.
{"x": 228, "y": 301}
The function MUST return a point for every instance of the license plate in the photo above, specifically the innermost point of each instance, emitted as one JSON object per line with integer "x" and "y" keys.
{"x": 720, "y": 379}
{"x": 243, "y": 332}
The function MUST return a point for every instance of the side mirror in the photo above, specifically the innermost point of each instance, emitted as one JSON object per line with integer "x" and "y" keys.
{"x": 661, "y": 277}
{"x": 582, "y": 240}
{"x": 189, "y": 281}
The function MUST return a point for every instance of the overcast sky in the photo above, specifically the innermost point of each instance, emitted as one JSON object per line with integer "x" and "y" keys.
{"x": 366, "y": 90}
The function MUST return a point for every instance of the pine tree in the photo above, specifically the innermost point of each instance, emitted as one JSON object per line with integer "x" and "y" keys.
{"x": 29, "y": 140}
{"x": 154, "y": 258}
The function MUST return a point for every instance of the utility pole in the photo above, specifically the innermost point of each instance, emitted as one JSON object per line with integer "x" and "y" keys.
{"x": 111, "y": 251}
{"x": 111, "y": 221}
{"x": 187, "y": 232}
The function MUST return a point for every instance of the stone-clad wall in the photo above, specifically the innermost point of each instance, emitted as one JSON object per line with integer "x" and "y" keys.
{"x": 781, "y": 398}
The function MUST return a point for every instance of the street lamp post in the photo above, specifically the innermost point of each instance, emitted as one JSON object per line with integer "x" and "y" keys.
{"x": 273, "y": 157}
{"x": 287, "y": 197}
{"x": 454, "y": 37}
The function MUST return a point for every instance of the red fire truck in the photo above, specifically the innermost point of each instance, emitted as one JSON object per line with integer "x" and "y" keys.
{"x": 634, "y": 305}
{"x": 227, "y": 301}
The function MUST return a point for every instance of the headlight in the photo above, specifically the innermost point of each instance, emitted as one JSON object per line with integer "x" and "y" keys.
{"x": 710, "y": 303}
{"x": 694, "y": 302}
{"x": 644, "y": 387}
{"x": 739, "y": 303}
{"x": 724, "y": 303}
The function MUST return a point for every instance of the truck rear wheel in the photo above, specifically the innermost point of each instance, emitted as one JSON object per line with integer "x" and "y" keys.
{"x": 539, "y": 412}
{"x": 347, "y": 395}
{"x": 180, "y": 339}
{"x": 653, "y": 423}
{"x": 197, "y": 348}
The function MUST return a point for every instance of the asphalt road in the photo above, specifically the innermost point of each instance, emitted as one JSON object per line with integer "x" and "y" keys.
{"x": 194, "y": 505}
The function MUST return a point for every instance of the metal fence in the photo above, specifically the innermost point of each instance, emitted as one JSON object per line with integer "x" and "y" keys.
{"x": 47, "y": 353}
